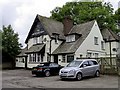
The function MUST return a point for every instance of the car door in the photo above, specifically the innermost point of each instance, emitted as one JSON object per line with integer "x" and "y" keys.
{"x": 91, "y": 68}
{"x": 53, "y": 68}
{"x": 56, "y": 67}
{"x": 85, "y": 68}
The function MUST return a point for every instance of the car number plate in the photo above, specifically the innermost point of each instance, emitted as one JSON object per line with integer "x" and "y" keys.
{"x": 63, "y": 75}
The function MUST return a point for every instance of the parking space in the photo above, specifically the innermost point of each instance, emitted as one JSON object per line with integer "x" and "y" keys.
{"x": 23, "y": 79}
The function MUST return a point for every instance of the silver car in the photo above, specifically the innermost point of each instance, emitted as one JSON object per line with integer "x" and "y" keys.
{"x": 80, "y": 68}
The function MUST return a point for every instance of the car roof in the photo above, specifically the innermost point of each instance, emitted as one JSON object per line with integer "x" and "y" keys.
{"x": 85, "y": 59}
{"x": 46, "y": 62}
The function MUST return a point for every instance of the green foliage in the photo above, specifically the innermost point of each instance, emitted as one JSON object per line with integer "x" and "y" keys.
{"x": 10, "y": 43}
{"x": 117, "y": 18}
{"x": 82, "y": 12}
{"x": 0, "y": 40}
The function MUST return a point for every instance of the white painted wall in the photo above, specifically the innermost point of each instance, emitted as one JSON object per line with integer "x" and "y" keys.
{"x": 19, "y": 62}
{"x": 55, "y": 45}
{"x": 60, "y": 61}
{"x": 30, "y": 42}
{"x": 46, "y": 40}
{"x": 88, "y": 43}
{"x": 113, "y": 45}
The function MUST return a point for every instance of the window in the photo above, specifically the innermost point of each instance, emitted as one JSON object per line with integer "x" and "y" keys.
{"x": 53, "y": 65}
{"x": 70, "y": 38}
{"x": 56, "y": 38}
{"x": 35, "y": 40}
{"x": 63, "y": 58}
{"x": 96, "y": 40}
{"x": 94, "y": 62}
{"x": 32, "y": 57}
{"x": 102, "y": 45}
{"x": 96, "y": 55}
{"x": 23, "y": 60}
{"x": 91, "y": 63}
{"x": 85, "y": 63}
{"x": 38, "y": 57}
{"x": 70, "y": 58}
{"x": 74, "y": 64}
{"x": 41, "y": 39}
{"x": 89, "y": 54}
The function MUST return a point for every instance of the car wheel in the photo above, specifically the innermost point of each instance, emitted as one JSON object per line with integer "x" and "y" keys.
{"x": 37, "y": 75}
{"x": 47, "y": 73}
{"x": 97, "y": 74}
{"x": 79, "y": 76}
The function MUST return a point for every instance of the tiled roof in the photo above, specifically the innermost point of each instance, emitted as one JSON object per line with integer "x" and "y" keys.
{"x": 52, "y": 26}
{"x": 84, "y": 30}
{"x": 109, "y": 35}
{"x": 23, "y": 52}
{"x": 35, "y": 48}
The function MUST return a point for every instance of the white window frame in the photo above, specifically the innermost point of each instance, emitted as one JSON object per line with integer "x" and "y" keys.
{"x": 63, "y": 58}
{"x": 102, "y": 45}
{"x": 96, "y": 55}
{"x": 70, "y": 38}
{"x": 96, "y": 40}
{"x": 89, "y": 54}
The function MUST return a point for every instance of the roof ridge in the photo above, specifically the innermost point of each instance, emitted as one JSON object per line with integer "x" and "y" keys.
{"x": 48, "y": 18}
{"x": 82, "y": 24}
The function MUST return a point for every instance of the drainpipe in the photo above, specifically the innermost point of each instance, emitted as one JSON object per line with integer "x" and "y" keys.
{"x": 50, "y": 49}
{"x": 118, "y": 57}
{"x": 110, "y": 51}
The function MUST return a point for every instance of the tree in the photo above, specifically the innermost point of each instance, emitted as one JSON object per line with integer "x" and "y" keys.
{"x": 82, "y": 12}
{"x": 117, "y": 18}
{"x": 10, "y": 44}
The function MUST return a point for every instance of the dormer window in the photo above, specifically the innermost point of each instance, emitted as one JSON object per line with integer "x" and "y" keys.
{"x": 70, "y": 38}
{"x": 56, "y": 37}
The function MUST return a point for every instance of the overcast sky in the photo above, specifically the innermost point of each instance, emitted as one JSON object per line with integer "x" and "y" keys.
{"x": 21, "y": 13}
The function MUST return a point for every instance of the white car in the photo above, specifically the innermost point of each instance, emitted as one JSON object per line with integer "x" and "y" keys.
{"x": 80, "y": 68}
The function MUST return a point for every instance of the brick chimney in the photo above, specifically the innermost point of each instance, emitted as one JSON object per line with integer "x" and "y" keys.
{"x": 68, "y": 24}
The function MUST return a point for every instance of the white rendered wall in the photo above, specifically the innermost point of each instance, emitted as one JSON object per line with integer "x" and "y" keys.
{"x": 30, "y": 42}
{"x": 88, "y": 43}
{"x": 20, "y": 64}
{"x": 113, "y": 45}
{"x": 60, "y": 61}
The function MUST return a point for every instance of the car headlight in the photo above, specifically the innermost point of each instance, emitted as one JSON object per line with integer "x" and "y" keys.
{"x": 71, "y": 72}
{"x": 60, "y": 72}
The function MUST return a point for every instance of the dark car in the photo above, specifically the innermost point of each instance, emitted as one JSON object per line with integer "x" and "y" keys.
{"x": 46, "y": 69}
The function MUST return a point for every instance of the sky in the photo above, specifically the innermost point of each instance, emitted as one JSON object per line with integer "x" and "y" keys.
{"x": 21, "y": 13}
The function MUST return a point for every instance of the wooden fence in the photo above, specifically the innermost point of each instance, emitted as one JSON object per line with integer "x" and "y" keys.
{"x": 108, "y": 65}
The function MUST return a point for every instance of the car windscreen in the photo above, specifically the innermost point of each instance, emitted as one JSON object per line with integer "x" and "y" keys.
{"x": 74, "y": 64}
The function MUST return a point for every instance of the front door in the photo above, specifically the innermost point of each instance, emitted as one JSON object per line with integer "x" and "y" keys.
{"x": 55, "y": 58}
